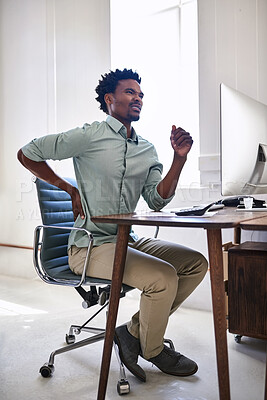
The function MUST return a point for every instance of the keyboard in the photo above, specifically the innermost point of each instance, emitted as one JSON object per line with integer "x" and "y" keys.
{"x": 196, "y": 210}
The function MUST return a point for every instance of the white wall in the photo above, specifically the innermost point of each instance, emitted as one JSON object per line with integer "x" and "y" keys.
{"x": 232, "y": 50}
{"x": 52, "y": 55}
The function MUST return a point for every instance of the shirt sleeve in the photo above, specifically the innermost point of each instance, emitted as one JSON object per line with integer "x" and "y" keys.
{"x": 150, "y": 193}
{"x": 58, "y": 146}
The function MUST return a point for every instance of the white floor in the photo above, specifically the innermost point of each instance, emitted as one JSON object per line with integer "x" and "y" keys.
{"x": 35, "y": 318}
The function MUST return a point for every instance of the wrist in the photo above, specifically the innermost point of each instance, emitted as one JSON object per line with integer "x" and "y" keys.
{"x": 67, "y": 187}
{"x": 179, "y": 159}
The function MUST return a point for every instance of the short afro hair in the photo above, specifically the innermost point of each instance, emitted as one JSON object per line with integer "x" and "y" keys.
{"x": 109, "y": 82}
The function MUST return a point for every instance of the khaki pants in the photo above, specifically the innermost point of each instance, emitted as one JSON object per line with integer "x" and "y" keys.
{"x": 166, "y": 273}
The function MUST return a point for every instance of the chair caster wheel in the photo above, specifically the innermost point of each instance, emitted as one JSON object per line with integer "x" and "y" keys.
{"x": 238, "y": 338}
{"x": 123, "y": 387}
{"x": 70, "y": 339}
{"x": 47, "y": 370}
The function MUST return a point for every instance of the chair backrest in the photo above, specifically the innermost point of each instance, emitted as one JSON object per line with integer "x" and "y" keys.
{"x": 56, "y": 210}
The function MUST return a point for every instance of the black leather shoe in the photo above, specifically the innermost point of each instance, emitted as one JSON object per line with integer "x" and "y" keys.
{"x": 129, "y": 350}
{"x": 173, "y": 363}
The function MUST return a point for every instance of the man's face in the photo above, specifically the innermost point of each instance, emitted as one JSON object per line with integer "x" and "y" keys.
{"x": 126, "y": 102}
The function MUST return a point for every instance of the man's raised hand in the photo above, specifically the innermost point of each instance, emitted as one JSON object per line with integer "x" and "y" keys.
{"x": 181, "y": 141}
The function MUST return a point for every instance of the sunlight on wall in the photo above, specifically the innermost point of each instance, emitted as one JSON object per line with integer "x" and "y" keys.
{"x": 158, "y": 39}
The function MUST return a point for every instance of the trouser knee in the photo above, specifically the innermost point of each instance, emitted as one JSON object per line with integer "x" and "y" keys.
{"x": 203, "y": 264}
{"x": 162, "y": 281}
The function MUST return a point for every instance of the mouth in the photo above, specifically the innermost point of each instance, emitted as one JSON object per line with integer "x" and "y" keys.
{"x": 136, "y": 107}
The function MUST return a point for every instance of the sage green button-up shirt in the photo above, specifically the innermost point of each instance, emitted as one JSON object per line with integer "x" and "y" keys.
{"x": 112, "y": 171}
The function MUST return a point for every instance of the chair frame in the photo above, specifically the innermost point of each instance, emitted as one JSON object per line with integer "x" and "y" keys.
{"x": 38, "y": 263}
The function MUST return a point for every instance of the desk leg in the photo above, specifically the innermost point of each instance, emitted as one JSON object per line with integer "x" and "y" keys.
{"x": 218, "y": 302}
{"x": 118, "y": 269}
{"x": 265, "y": 396}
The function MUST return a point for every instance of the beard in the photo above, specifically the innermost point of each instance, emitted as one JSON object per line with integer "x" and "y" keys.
{"x": 133, "y": 117}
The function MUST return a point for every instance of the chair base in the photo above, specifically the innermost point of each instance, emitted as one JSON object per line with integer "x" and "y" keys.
{"x": 47, "y": 370}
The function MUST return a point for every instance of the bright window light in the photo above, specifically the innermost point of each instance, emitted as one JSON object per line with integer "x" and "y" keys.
{"x": 159, "y": 40}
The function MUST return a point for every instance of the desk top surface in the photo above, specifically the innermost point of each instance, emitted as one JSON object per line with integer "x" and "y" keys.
{"x": 226, "y": 218}
{"x": 255, "y": 224}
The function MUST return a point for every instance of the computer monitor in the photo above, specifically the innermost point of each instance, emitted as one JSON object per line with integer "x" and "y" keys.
{"x": 243, "y": 131}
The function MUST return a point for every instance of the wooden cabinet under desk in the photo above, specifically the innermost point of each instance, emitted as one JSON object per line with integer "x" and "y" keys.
{"x": 247, "y": 289}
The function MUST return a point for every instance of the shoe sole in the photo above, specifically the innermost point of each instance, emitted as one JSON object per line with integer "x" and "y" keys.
{"x": 134, "y": 372}
{"x": 178, "y": 374}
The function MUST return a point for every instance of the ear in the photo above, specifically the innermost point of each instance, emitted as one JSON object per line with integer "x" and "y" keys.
{"x": 108, "y": 98}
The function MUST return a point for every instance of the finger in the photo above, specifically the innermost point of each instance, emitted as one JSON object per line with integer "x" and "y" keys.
{"x": 183, "y": 145}
{"x": 180, "y": 135}
{"x": 179, "y": 129}
{"x": 76, "y": 213}
{"x": 173, "y": 131}
{"x": 82, "y": 214}
{"x": 181, "y": 139}
{"x": 179, "y": 132}
{"x": 80, "y": 211}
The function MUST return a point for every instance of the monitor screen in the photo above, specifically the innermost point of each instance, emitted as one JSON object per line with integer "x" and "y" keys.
{"x": 243, "y": 131}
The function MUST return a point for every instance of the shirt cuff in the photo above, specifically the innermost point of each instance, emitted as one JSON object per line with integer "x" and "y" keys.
{"x": 30, "y": 151}
{"x": 159, "y": 202}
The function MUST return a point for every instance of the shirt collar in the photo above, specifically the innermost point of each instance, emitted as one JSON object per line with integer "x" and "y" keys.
{"x": 117, "y": 126}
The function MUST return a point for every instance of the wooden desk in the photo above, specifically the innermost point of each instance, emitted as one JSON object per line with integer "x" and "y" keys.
{"x": 257, "y": 224}
{"x": 224, "y": 219}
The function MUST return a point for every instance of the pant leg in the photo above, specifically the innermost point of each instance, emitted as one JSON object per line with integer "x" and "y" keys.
{"x": 190, "y": 265}
{"x": 156, "y": 279}
{"x": 165, "y": 273}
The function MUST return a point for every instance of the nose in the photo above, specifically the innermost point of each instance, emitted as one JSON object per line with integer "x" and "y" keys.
{"x": 138, "y": 97}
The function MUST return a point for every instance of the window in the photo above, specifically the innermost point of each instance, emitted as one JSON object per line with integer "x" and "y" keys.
{"x": 159, "y": 40}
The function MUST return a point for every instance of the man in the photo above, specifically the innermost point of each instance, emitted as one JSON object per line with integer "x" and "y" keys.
{"x": 113, "y": 167}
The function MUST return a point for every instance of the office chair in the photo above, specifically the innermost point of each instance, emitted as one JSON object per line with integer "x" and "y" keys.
{"x": 51, "y": 264}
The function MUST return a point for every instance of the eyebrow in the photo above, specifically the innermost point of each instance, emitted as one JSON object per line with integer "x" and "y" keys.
{"x": 134, "y": 90}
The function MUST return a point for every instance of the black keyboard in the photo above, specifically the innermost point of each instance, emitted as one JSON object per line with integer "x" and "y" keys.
{"x": 194, "y": 210}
